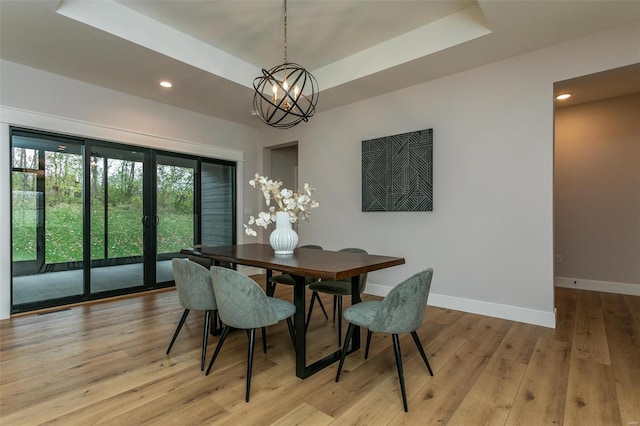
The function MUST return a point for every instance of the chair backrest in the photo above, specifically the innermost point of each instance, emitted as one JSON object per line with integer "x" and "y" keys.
{"x": 241, "y": 301}
{"x": 193, "y": 283}
{"x": 402, "y": 311}
{"x": 363, "y": 277}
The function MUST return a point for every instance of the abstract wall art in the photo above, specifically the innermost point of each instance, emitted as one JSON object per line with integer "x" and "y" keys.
{"x": 397, "y": 173}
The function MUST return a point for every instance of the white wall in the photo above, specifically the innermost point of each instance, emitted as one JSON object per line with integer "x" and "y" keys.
{"x": 490, "y": 236}
{"x": 5, "y": 224}
{"x": 284, "y": 162}
{"x": 36, "y": 99}
{"x": 597, "y": 195}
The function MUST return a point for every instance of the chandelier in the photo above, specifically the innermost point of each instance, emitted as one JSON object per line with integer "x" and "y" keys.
{"x": 286, "y": 94}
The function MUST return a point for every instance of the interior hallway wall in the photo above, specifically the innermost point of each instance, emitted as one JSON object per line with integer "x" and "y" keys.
{"x": 597, "y": 195}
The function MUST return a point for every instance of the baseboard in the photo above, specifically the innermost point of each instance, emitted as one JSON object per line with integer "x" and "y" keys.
{"x": 513, "y": 313}
{"x": 593, "y": 285}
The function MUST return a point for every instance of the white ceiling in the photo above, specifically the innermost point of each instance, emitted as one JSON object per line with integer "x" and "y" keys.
{"x": 212, "y": 50}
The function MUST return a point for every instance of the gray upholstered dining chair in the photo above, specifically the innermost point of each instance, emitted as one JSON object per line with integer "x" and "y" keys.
{"x": 402, "y": 311}
{"x": 243, "y": 304}
{"x": 337, "y": 289}
{"x": 195, "y": 292}
{"x": 287, "y": 279}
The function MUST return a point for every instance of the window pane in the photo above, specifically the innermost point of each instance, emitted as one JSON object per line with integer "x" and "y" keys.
{"x": 25, "y": 216}
{"x": 46, "y": 218}
{"x": 174, "y": 205}
{"x": 97, "y": 203}
{"x": 217, "y": 204}
{"x": 124, "y": 188}
{"x": 25, "y": 158}
{"x": 116, "y": 202}
{"x": 63, "y": 207}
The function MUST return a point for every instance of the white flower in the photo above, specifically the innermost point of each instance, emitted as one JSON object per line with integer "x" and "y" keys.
{"x": 264, "y": 219}
{"x": 279, "y": 199}
{"x": 250, "y": 231}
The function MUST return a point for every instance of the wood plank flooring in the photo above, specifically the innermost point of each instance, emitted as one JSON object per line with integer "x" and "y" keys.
{"x": 105, "y": 363}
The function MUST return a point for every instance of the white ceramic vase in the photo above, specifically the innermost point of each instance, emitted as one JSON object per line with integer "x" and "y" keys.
{"x": 283, "y": 239}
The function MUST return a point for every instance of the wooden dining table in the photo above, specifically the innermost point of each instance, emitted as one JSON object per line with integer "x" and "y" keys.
{"x": 323, "y": 264}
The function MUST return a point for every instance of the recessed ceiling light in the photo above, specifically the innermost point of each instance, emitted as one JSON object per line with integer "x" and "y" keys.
{"x": 166, "y": 84}
{"x": 563, "y": 96}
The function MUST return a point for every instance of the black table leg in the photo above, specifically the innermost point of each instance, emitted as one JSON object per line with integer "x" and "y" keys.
{"x": 269, "y": 286}
{"x": 355, "y": 298}
{"x": 298, "y": 323}
{"x": 302, "y": 369}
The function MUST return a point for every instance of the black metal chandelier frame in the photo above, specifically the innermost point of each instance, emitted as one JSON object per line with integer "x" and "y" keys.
{"x": 293, "y": 95}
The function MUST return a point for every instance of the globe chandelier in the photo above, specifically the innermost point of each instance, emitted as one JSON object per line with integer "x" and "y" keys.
{"x": 286, "y": 94}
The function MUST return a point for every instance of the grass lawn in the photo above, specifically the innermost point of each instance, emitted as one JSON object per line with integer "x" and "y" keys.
{"x": 63, "y": 233}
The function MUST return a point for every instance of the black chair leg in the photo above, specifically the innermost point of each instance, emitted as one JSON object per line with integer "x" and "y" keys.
{"x": 216, "y": 327}
{"x": 252, "y": 342}
{"x": 317, "y": 296}
{"x": 292, "y": 332}
{"x": 264, "y": 339}
{"x": 339, "y": 320}
{"x": 345, "y": 348}
{"x": 335, "y": 302}
{"x": 313, "y": 299}
{"x": 419, "y": 345}
{"x": 223, "y": 336}
{"x": 205, "y": 335}
{"x": 180, "y": 324}
{"x": 366, "y": 351}
{"x": 271, "y": 289}
{"x": 396, "y": 349}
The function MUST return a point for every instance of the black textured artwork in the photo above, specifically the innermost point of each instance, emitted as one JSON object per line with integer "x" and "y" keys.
{"x": 397, "y": 173}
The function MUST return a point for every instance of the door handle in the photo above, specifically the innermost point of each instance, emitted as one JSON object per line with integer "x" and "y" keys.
{"x": 156, "y": 220}
{"x": 146, "y": 220}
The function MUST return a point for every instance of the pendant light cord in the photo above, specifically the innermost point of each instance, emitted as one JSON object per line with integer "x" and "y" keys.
{"x": 285, "y": 32}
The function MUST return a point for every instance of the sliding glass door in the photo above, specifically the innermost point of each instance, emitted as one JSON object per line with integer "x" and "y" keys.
{"x": 47, "y": 218}
{"x": 92, "y": 219}
{"x": 174, "y": 222}
{"x": 117, "y": 217}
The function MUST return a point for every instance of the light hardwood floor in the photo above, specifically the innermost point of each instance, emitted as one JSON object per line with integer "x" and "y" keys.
{"x": 105, "y": 363}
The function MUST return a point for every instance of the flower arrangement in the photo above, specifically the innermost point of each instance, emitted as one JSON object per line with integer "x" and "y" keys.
{"x": 279, "y": 199}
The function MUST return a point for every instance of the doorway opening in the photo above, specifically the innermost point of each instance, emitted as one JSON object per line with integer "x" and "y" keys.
{"x": 597, "y": 182}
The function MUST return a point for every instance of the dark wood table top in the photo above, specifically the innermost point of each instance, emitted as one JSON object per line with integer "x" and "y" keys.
{"x": 325, "y": 264}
